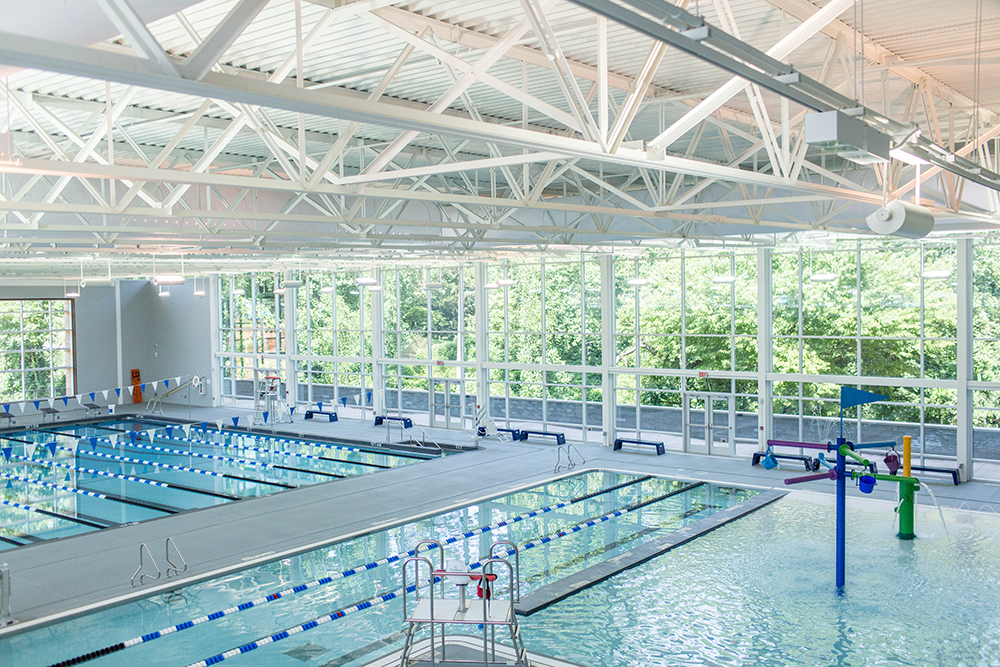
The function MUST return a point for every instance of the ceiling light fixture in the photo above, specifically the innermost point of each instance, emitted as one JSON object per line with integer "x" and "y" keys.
{"x": 823, "y": 277}
{"x": 493, "y": 285}
{"x": 365, "y": 280}
{"x": 723, "y": 280}
{"x": 239, "y": 291}
{"x": 328, "y": 289}
{"x": 169, "y": 279}
{"x": 637, "y": 282}
{"x": 280, "y": 291}
{"x": 195, "y": 290}
{"x": 70, "y": 292}
{"x": 936, "y": 275}
{"x": 375, "y": 288}
{"x": 505, "y": 282}
{"x": 430, "y": 287}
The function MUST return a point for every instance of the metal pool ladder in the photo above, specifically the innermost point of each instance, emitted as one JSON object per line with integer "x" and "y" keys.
{"x": 434, "y": 609}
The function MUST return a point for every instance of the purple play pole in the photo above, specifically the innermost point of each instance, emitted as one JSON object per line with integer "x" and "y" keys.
{"x": 803, "y": 445}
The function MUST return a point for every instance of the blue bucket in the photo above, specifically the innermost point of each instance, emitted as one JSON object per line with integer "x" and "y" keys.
{"x": 866, "y": 483}
{"x": 769, "y": 462}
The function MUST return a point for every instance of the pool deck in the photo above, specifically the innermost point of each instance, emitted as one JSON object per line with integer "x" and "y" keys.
{"x": 71, "y": 576}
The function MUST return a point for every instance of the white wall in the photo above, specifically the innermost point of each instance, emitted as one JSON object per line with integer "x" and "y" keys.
{"x": 180, "y": 339}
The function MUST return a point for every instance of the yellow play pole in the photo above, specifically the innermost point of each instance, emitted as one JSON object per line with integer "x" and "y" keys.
{"x": 906, "y": 456}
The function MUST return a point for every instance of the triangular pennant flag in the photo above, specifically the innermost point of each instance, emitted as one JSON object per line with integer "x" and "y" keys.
{"x": 154, "y": 385}
{"x": 187, "y": 430}
{"x": 6, "y": 408}
{"x": 133, "y": 471}
{"x": 93, "y": 395}
{"x": 266, "y": 413}
{"x": 142, "y": 387}
{"x": 52, "y": 447}
{"x": 131, "y": 435}
{"x": 218, "y": 423}
{"x": 37, "y": 403}
{"x": 65, "y": 400}
{"x": 66, "y": 478}
{"x": 170, "y": 431}
{"x": 850, "y": 397}
{"x": 236, "y": 421}
{"x": 29, "y": 450}
{"x": 203, "y": 425}
{"x": 93, "y": 442}
{"x": 79, "y": 399}
{"x": 150, "y": 433}
{"x": 118, "y": 390}
{"x": 177, "y": 380}
{"x": 51, "y": 402}
{"x": 319, "y": 405}
{"x": 6, "y": 452}
{"x": 145, "y": 469}
{"x": 114, "y": 438}
{"x": 20, "y": 407}
{"x": 9, "y": 485}
{"x": 291, "y": 410}
{"x": 166, "y": 384}
{"x": 343, "y": 400}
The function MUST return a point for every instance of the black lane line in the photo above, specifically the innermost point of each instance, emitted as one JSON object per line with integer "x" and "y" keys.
{"x": 10, "y": 541}
{"x": 67, "y": 517}
{"x": 174, "y": 485}
{"x": 223, "y": 474}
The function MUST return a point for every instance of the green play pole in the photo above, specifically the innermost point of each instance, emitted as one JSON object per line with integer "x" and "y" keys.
{"x": 908, "y": 487}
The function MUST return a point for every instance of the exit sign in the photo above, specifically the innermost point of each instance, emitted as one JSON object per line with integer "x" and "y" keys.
{"x": 702, "y": 374}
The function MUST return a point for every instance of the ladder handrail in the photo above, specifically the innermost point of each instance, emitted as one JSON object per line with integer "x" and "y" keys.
{"x": 171, "y": 566}
{"x": 143, "y": 548}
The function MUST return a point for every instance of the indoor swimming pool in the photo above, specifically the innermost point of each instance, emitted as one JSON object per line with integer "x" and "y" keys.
{"x": 758, "y": 590}
{"x": 59, "y": 480}
{"x": 570, "y": 524}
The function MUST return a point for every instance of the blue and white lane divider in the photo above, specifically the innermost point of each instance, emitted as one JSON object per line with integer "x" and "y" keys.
{"x": 340, "y": 613}
{"x": 155, "y": 464}
{"x": 51, "y": 485}
{"x": 50, "y": 513}
{"x": 291, "y": 441}
{"x": 250, "y": 604}
{"x": 102, "y": 473}
{"x": 167, "y": 450}
{"x": 262, "y": 450}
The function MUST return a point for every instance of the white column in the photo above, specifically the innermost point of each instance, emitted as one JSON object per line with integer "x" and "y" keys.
{"x": 482, "y": 344}
{"x": 378, "y": 348}
{"x": 291, "y": 346}
{"x": 214, "y": 311}
{"x": 608, "y": 348}
{"x": 765, "y": 403}
{"x": 964, "y": 372}
{"x": 118, "y": 333}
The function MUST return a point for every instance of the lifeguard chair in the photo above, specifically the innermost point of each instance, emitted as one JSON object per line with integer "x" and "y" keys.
{"x": 494, "y": 606}
{"x": 268, "y": 406}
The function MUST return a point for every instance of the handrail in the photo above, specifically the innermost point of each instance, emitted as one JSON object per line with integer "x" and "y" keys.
{"x": 171, "y": 566}
{"x": 144, "y": 549}
{"x": 425, "y": 434}
{"x": 5, "y": 617}
{"x": 153, "y": 405}
{"x": 570, "y": 462}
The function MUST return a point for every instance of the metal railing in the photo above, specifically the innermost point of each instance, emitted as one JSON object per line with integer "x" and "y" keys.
{"x": 5, "y": 617}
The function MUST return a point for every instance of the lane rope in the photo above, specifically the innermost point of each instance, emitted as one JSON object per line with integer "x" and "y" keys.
{"x": 340, "y": 613}
{"x": 250, "y": 604}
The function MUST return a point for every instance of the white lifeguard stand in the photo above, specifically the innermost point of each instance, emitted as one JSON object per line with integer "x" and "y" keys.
{"x": 269, "y": 407}
{"x": 489, "y": 610}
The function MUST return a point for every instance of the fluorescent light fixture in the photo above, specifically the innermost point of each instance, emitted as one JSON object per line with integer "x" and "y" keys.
{"x": 375, "y": 288}
{"x": 365, "y": 280}
{"x": 328, "y": 289}
{"x": 354, "y": 291}
{"x": 166, "y": 293}
{"x": 505, "y": 282}
{"x": 637, "y": 282}
{"x": 292, "y": 283}
{"x": 169, "y": 279}
{"x": 280, "y": 290}
{"x": 936, "y": 275}
{"x": 492, "y": 285}
{"x": 430, "y": 287}
{"x": 239, "y": 292}
{"x": 904, "y": 155}
{"x": 723, "y": 280}
{"x": 71, "y": 293}
{"x": 823, "y": 277}
{"x": 199, "y": 292}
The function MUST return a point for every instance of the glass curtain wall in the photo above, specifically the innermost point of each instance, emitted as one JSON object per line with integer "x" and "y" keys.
{"x": 36, "y": 349}
{"x": 544, "y": 337}
{"x": 683, "y": 327}
{"x": 686, "y": 330}
{"x": 881, "y": 318}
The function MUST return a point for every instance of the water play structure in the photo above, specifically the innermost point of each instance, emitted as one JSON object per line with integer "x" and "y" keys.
{"x": 867, "y": 477}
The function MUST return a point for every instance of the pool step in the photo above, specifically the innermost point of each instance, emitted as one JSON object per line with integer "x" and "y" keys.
{"x": 548, "y": 595}
{"x": 466, "y": 649}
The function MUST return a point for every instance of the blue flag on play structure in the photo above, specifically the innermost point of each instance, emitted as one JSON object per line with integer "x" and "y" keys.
{"x": 850, "y": 397}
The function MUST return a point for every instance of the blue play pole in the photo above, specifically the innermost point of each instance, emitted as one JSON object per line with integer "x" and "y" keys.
{"x": 841, "y": 513}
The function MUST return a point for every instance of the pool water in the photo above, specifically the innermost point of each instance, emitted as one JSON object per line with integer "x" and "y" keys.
{"x": 62, "y": 480}
{"x": 760, "y": 591}
{"x": 360, "y": 637}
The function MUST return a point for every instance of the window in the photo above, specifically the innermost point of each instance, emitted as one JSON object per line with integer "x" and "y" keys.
{"x": 36, "y": 349}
